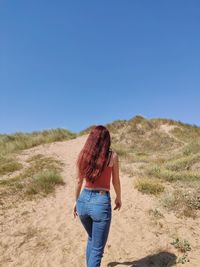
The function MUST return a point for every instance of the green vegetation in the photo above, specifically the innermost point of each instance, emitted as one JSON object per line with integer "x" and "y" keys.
{"x": 120, "y": 150}
{"x": 40, "y": 177}
{"x": 9, "y": 165}
{"x": 156, "y": 214}
{"x": 19, "y": 141}
{"x": 192, "y": 147}
{"x": 180, "y": 167}
{"x": 171, "y": 176}
{"x": 149, "y": 186}
{"x": 186, "y": 133}
{"x": 139, "y": 135}
{"x": 182, "y": 245}
{"x": 44, "y": 182}
{"x": 183, "y": 163}
{"x": 42, "y": 173}
{"x": 183, "y": 202}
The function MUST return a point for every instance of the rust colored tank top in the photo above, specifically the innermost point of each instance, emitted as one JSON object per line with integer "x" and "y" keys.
{"x": 103, "y": 181}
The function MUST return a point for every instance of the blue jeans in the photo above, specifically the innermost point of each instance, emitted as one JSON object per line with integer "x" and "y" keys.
{"x": 95, "y": 213}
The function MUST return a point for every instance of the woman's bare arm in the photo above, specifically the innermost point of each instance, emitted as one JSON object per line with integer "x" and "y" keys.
{"x": 115, "y": 177}
{"x": 78, "y": 186}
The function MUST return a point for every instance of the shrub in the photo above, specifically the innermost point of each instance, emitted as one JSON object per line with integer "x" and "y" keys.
{"x": 149, "y": 186}
{"x": 44, "y": 182}
{"x": 40, "y": 177}
{"x": 184, "y": 203}
{"x": 8, "y": 165}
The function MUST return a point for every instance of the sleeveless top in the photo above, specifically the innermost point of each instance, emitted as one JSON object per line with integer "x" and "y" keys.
{"x": 103, "y": 181}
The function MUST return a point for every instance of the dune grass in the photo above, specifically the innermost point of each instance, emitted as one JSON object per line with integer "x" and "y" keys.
{"x": 172, "y": 176}
{"x": 193, "y": 147}
{"x": 184, "y": 197}
{"x": 39, "y": 178}
{"x": 186, "y": 133}
{"x": 42, "y": 174}
{"x": 120, "y": 150}
{"x": 37, "y": 163}
{"x": 44, "y": 182}
{"x": 182, "y": 202}
{"x": 179, "y": 167}
{"x": 149, "y": 186}
{"x": 9, "y": 165}
{"x": 10, "y": 143}
{"x": 183, "y": 163}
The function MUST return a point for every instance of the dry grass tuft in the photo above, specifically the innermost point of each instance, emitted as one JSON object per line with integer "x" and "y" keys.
{"x": 183, "y": 202}
{"x": 149, "y": 186}
{"x": 44, "y": 183}
{"x": 39, "y": 178}
{"x": 9, "y": 165}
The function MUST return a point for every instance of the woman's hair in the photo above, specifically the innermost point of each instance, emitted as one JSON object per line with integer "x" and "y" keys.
{"x": 93, "y": 157}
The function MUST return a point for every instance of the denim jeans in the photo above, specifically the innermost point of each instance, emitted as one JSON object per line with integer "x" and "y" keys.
{"x": 95, "y": 213}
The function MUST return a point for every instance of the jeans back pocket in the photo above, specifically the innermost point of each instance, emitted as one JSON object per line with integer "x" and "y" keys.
{"x": 101, "y": 212}
{"x": 101, "y": 198}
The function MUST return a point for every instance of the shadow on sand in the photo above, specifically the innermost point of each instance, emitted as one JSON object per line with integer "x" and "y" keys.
{"x": 161, "y": 259}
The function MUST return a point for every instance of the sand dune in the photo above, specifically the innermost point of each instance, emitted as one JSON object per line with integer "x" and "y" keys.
{"x": 44, "y": 233}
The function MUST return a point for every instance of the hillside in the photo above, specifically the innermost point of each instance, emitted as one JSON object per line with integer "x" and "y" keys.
{"x": 158, "y": 224}
{"x": 150, "y": 135}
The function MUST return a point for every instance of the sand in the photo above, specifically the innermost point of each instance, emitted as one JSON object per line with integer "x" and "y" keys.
{"x": 43, "y": 232}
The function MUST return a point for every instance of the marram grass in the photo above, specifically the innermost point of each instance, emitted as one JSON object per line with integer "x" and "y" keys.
{"x": 149, "y": 185}
{"x": 44, "y": 182}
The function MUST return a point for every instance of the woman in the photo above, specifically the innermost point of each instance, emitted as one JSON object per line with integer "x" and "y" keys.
{"x": 96, "y": 162}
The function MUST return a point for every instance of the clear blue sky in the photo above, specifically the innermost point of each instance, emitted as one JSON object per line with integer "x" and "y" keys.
{"x": 72, "y": 64}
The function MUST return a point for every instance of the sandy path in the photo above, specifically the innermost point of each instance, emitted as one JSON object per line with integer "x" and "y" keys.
{"x": 44, "y": 233}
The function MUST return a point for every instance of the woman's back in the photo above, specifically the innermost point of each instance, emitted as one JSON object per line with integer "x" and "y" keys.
{"x": 103, "y": 181}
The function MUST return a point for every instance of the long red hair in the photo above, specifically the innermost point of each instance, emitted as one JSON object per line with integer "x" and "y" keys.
{"x": 93, "y": 157}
